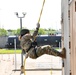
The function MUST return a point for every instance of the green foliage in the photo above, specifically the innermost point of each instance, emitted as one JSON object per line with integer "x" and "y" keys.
{"x": 18, "y": 31}
{"x": 41, "y": 31}
{"x": 45, "y": 31}
{"x": 50, "y": 31}
{"x": 3, "y": 32}
{"x": 15, "y": 32}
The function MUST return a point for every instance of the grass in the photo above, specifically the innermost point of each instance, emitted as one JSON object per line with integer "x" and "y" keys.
{"x": 11, "y": 51}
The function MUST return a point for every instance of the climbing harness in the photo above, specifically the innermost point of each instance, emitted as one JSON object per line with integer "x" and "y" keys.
{"x": 33, "y": 45}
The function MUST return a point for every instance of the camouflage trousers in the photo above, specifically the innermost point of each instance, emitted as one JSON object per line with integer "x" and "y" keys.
{"x": 47, "y": 49}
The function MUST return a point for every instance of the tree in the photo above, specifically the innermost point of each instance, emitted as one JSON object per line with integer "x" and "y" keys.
{"x": 18, "y": 31}
{"x": 41, "y": 31}
{"x": 3, "y": 32}
{"x": 15, "y": 32}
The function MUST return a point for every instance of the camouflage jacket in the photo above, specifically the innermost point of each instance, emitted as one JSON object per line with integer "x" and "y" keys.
{"x": 33, "y": 52}
{"x": 27, "y": 39}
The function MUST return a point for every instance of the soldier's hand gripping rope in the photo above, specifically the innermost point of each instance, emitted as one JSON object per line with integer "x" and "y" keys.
{"x": 36, "y": 32}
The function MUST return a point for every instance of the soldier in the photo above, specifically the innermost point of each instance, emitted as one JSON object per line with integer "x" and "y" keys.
{"x": 28, "y": 44}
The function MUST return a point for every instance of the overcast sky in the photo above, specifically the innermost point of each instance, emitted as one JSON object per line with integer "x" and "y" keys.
{"x": 50, "y": 18}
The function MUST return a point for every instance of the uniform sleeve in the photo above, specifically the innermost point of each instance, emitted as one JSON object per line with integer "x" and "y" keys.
{"x": 36, "y": 31}
{"x": 25, "y": 41}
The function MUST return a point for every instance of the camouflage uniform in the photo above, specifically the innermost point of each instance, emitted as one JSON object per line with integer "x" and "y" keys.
{"x": 35, "y": 52}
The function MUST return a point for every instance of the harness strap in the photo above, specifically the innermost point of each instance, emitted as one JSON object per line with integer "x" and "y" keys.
{"x": 29, "y": 48}
{"x": 33, "y": 45}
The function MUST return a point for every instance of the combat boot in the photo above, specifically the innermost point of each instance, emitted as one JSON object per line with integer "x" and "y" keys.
{"x": 63, "y": 53}
{"x": 22, "y": 69}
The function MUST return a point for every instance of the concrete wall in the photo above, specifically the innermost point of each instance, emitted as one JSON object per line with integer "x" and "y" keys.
{"x": 73, "y": 37}
{"x": 72, "y": 33}
{"x": 3, "y": 41}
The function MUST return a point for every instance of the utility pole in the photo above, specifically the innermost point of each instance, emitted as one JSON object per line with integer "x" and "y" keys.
{"x": 20, "y": 18}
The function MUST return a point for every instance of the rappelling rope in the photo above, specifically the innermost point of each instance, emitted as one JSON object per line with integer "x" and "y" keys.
{"x": 41, "y": 11}
{"x": 24, "y": 66}
{"x": 38, "y": 22}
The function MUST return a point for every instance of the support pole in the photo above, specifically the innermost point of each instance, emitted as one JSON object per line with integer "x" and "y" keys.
{"x": 15, "y": 54}
{"x": 20, "y": 23}
{"x": 66, "y": 39}
{"x": 21, "y": 29}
